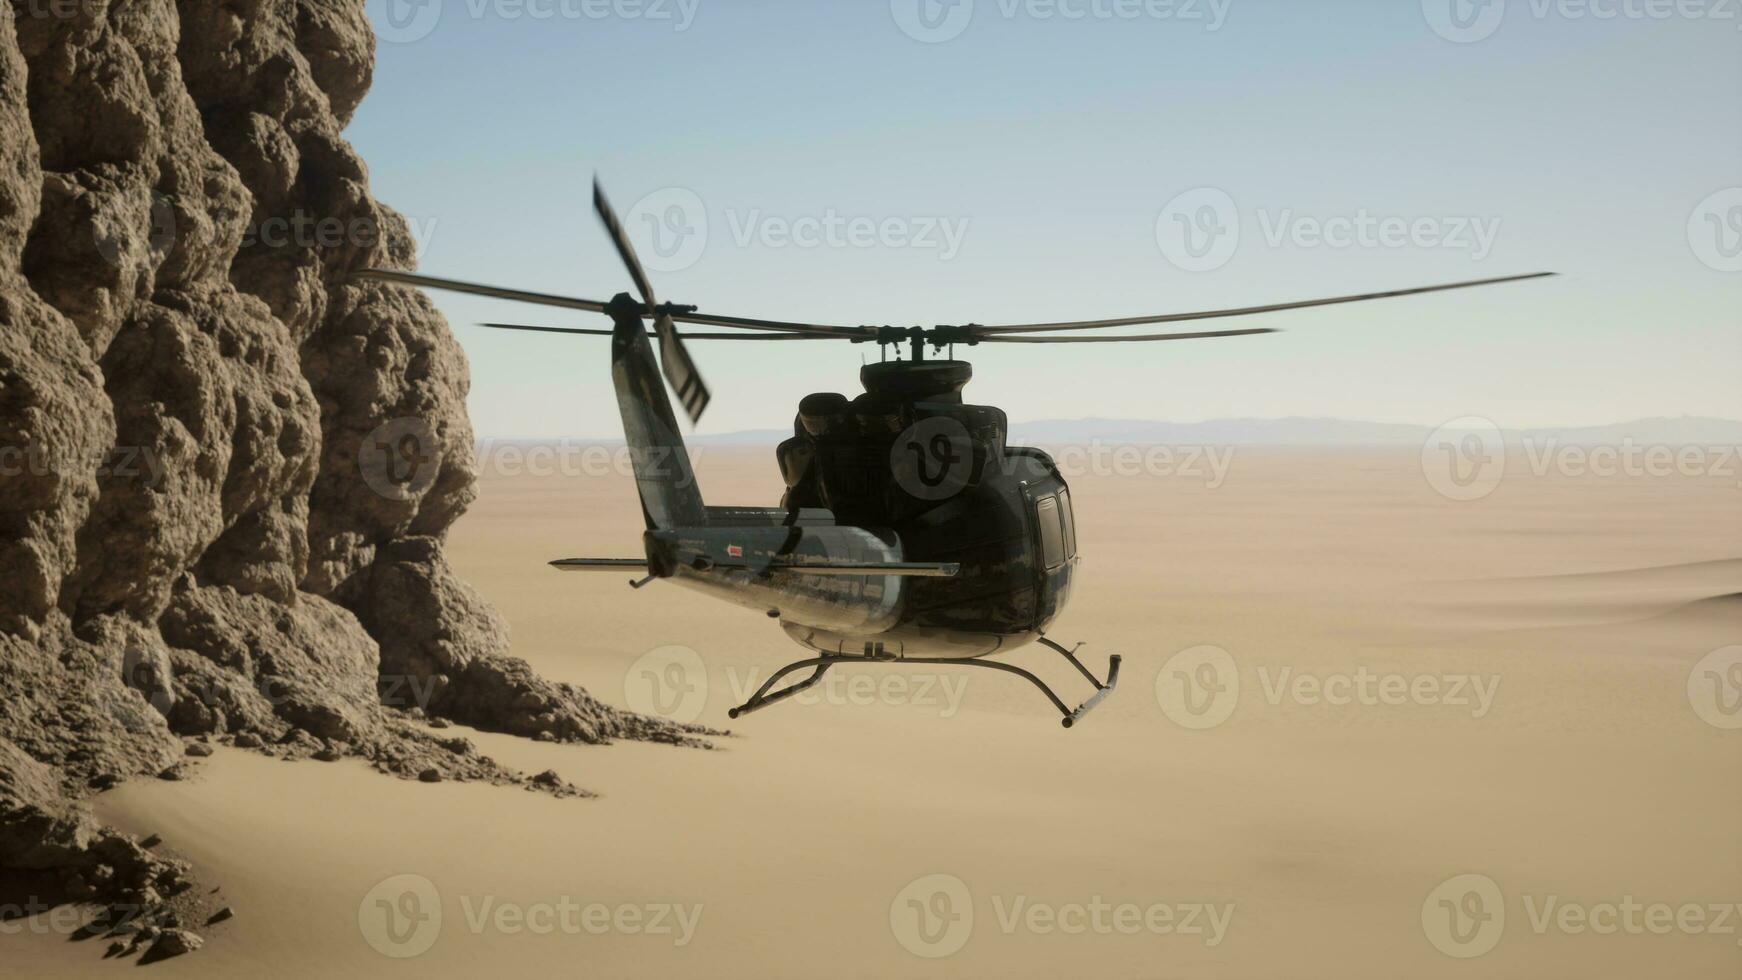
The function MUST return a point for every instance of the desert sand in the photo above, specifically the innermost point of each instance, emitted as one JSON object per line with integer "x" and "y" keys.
{"x": 1296, "y": 838}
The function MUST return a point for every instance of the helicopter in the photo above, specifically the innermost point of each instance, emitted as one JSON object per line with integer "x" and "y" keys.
{"x": 910, "y": 530}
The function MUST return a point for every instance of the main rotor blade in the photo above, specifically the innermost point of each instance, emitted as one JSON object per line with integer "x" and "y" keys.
{"x": 687, "y": 336}
{"x": 986, "y": 332}
{"x": 1126, "y": 340}
{"x": 748, "y": 323}
{"x": 477, "y": 289}
{"x": 595, "y": 306}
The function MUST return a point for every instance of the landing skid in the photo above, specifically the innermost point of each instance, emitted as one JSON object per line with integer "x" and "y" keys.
{"x": 762, "y": 699}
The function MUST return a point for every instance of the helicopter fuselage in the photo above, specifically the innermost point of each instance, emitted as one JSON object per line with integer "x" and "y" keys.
{"x": 904, "y": 474}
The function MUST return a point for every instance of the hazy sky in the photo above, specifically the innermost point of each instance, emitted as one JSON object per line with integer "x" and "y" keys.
{"x": 997, "y": 161}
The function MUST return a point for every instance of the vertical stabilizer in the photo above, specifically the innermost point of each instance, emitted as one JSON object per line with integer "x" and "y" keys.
{"x": 663, "y": 475}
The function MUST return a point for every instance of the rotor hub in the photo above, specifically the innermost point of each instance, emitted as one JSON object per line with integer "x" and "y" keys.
{"x": 917, "y": 381}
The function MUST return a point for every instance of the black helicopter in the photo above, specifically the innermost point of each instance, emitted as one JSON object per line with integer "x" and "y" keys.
{"x": 910, "y": 529}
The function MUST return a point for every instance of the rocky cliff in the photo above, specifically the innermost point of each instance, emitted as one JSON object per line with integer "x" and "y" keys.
{"x": 225, "y": 470}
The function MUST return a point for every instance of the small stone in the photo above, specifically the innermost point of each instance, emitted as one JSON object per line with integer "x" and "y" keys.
{"x": 248, "y": 740}
{"x": 224, "y": 914}
{"x": 199, "y": 750}
{"x": 151, "y": 841}
{"x": 176, "y": 942}
{"x": 174, "y": 773}
{"x": 544, "y": 737}
{"x": 429, "y": 776}
{"x": 106, "y": 781}
{"x": 439, "y": 723}
{"x": 143, "y": 899}
{"x": 548, "y": 777}
{"x": 328, "y": 755}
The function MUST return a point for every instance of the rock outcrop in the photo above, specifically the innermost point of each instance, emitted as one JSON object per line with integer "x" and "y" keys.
{"x": 225, "y": 469}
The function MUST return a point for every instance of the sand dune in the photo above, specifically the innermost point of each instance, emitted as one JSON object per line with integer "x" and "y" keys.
{"x": 1551, "y": 638}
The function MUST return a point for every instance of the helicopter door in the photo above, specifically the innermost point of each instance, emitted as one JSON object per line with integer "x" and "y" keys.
{"x": 1050, "y": 546}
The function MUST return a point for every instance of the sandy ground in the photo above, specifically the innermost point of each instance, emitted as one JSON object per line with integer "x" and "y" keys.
{"x": 1537, "y": 716}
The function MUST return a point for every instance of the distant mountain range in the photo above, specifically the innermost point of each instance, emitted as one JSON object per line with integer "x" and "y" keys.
{"x": 1303, "y": 432}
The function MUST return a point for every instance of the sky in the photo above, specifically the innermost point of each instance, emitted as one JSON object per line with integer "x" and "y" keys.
{"x": 1007, "y": 161}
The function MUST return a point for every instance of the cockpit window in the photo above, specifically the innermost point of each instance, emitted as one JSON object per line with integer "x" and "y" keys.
{"x": 1069, "y": 519}
{"x": 1052, "y": 539}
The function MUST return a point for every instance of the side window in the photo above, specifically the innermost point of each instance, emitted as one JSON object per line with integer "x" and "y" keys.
{"x": 1052, "y": 538}
{"x": 1069, "y": 519}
